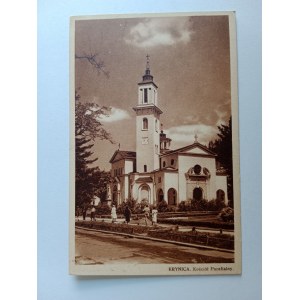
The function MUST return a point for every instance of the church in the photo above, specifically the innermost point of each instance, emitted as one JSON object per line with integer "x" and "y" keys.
{"x": 155, "y": 172}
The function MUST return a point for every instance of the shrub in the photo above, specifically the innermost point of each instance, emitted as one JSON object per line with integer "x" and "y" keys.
{"x": 226, "y": 214}
{"x": 181, "y": 206}
{"x": 185, "y": 206}
{"x": 171, "y": 208}
{"x": 162, "y": 206}
{"x": 215, "y": 205}
{"x": 144, "y": 203}
{"x": 131, "y": 203}
{"x": 199, "y": 204}
{"x": 103, "y": 209}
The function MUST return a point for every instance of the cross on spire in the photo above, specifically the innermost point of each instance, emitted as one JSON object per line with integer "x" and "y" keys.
{"x": 196, "y": 138}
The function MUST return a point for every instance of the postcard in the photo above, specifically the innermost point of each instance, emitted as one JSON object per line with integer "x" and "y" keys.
{"x": 154, "y": 147}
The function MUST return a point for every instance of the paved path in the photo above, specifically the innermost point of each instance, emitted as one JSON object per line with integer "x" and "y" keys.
{"x": 102, "y": 248}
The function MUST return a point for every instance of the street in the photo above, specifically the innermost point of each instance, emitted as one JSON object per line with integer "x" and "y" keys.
{"x": 104, "y": 248}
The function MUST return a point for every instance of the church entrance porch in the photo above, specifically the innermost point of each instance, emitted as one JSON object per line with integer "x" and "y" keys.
{"x": 144, "y": 193}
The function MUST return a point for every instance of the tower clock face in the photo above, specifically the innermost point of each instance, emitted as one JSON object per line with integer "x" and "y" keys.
{"x": 145, "y": 141}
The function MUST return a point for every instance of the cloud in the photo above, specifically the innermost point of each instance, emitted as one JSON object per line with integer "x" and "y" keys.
{"x": 186, "y": 133}
{"x": 222, "y": 113}
{"x": 159, "y": 32}
{"x": 116, "y": 114}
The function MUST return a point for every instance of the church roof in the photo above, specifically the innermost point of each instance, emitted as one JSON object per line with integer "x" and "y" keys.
{"x": 189, "y": 147}
{"x": 144, "y": 179}
{"x": 121, "y": 154}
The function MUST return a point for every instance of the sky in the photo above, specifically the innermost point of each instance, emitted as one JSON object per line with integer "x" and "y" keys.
{"x": 190, "y": 62}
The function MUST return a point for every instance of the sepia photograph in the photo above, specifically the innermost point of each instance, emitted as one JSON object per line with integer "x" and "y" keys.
{"x": 154, "y": 147}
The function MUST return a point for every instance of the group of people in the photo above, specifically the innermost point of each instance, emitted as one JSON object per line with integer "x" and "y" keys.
{"x": 84, "y": 210}
{"x": 150, "y": 216}
{"x": 147, "y": 214}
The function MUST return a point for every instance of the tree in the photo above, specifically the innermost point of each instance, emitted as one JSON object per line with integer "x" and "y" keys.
{"x": 223, "y": 148}
{"x": 89, "y": 181}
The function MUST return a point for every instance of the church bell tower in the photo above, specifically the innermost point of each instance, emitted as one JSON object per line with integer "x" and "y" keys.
{"x": 147, "y": 124}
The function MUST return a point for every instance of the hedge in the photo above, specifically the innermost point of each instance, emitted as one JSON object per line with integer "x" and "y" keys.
{"x": 210, "y": 224}
{"x": 224, "y": 241}
{"x": 123, "y": 228}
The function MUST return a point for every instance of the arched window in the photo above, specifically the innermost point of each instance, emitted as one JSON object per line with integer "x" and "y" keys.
{"x": 172, "y": 162}
{"x": 197, "y": 169}
{"x": 220, "y": 195}
{"x": 145, "y": 124}
{"x": 145, "y": 96}
{"x": 172, "y": 195}
{"x": 160, "y": 195}
{"x": 164, "y": 164}
{"x": 144, "y": 192}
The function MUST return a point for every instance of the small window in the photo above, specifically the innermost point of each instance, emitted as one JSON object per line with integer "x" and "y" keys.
{"x": 145, "y": 96}
{"x": 164, "y": 164}
{"x": 145, "y": 124}
{"x": 172, "y": 162}
{"x": 145, "y": 168}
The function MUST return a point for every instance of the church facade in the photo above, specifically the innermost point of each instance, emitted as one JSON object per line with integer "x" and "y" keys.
{"x": 154, "y": 172}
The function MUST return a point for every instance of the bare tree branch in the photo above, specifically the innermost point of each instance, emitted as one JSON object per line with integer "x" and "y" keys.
{"x": 97, "y": 64}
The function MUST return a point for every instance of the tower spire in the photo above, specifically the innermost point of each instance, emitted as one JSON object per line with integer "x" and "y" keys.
{"x": 147, "y": 76}
{"x": 148, "y": 63}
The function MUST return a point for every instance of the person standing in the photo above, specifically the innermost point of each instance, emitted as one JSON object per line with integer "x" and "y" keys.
{"x": 114, "y": 214}
{"x": 93, "y": 212}
{"x": 154, "y": 215}
{"x": 147, "y": 213}
{"x": 77, "y": 212}
{"x": 127, "y": 214}
{"x": 84, "y": 209}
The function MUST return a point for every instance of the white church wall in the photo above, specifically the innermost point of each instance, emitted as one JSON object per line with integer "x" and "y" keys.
{"x": 126, "y": 188}
{"x": 151, "y": 94}
{"x": 134, "y": 190}
{"x": 221, "y": 184}
{"x": 128, "y": 166}
{"x": 119, "y": 166}
{"x": 171, "y": 181}
{"x": 170, "y": 161}
{"x": 146, "y": 140}
{"x": 158, "y": 184}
